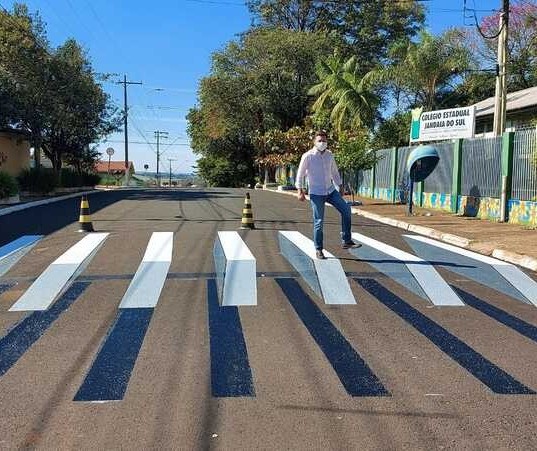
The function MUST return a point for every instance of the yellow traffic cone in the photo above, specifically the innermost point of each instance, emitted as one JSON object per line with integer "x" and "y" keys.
{"x": 247, "y": 215}
{"x": 85, "y": 216}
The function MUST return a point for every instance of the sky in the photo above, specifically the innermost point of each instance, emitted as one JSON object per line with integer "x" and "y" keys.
{"x": 167, "y": 45}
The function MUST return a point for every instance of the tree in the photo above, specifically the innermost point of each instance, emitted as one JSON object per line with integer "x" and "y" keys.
{"x": 80, "y": 113}
{"x": 427, "y": 72}
{"x": 24, "y": 73}
{"x": 349, "y": 96}
{"x": 50, "y": 93}
{"x": 257, "y": 84}
{"x": 353, "y": 154}
{"x": 392, "y": 132}
{"x": 367, "y": 28}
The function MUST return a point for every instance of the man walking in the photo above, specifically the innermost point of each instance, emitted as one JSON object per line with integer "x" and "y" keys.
{"x": 319, "y": 166}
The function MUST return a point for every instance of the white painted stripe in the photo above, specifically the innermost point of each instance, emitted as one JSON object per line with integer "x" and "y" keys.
{"x": 57, "y": 277}
{"x": 333, "y": 283}
{"x": 303, "y": 243}
{"x": 458, "y": 250}
{"x": 159, "y": 248}
{"x": 81, "y": 250}
{"x": 521, "y": 281}
{"x": 236, "y": 270}
{"x": 434, "y": 286}
{"x": 25, "y": 241}
{"x": 234, "y": 247}
{"x": 146, "y": 285}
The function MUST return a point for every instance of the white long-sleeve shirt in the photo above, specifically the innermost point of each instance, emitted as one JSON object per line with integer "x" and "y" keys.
{"x": 321, "y": 170}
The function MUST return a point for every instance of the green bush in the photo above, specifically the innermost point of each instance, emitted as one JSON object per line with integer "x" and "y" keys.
{"x": 42, "y": 181}
{"x": 90, "y": 179}
{"x": 8, "y": 185}
{"x": 73, "y": 179}
{"x": 70, "y": 178}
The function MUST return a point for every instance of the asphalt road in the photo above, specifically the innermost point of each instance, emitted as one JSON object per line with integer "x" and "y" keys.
{"x": 439, "y": 371}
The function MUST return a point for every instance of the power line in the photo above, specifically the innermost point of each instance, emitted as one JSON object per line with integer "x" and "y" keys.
{"x": 175, "y": 143}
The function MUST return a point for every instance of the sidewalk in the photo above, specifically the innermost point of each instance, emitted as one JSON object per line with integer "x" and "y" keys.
{"x": 507, "y": 242}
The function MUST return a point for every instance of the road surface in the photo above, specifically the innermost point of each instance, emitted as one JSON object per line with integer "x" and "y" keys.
{"x": 178, "y": 371}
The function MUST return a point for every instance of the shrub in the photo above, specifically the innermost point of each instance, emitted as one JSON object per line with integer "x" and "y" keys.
{"x": 8, "y": 185}
{"x": 70, "y": 178}
{"x": 38, "y": 181}
{"x": 89, "y": 179}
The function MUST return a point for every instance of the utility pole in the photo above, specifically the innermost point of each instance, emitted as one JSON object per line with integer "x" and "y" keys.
{"x": 170, "y": 160}
{"x": 125, "y": 122}
{"x": 500, "y": 101}
{"x": 159, "y": 134}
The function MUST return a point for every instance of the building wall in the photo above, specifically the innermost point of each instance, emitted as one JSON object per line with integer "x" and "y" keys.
{"x": 514, "y": 121}
{"x": 14, "y": 153}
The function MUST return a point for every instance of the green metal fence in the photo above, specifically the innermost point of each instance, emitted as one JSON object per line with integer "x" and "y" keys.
{"x": 494, "y": 178}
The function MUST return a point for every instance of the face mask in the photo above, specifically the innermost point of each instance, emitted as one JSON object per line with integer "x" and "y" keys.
{"x": 321, "y": 146}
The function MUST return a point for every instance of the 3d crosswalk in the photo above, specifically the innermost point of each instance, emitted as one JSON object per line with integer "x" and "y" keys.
{"x": 12, "y": 252}
{"x": 234, "y": 286}
{"x": 55, "y": 279}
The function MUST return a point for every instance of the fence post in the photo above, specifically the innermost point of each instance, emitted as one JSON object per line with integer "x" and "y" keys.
{"x": 508, "y": 139}
{"x": 373, "y": 175}
{"x": 420, "y": 193}
{"x": 457, "y": 174}
{"x": 393, "y": 179}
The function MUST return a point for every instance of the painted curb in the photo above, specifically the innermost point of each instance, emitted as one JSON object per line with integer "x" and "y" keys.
{"x": 511, "y": 257}
{"x": 517, "y": 259}
{"x": 37, "y": 203}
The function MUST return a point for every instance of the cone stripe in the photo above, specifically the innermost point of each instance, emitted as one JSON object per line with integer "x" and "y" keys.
{"x": 84, "y": 219}
{"x": 247, "y": 221}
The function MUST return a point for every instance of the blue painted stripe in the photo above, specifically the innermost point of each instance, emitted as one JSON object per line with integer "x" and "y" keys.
{"x": 19, "y": 339}
{"x": 353, "y": 372}
{"x": 19, "y": 243}
{"x": 518, "y": 325}
{"x": 231, "y": 375}
{"x": 110, "y": 373}
{"x": 477, "y": 365}
{"x": 6, "y": 286}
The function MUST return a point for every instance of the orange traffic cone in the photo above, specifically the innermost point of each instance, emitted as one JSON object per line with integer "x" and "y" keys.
{"x": 85, "y": 216}
{"x": 247, "y": 215}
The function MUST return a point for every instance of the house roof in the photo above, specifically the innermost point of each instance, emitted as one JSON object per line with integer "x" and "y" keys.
{"x": 115, "y": 166}
{"x": 517, "y": 100}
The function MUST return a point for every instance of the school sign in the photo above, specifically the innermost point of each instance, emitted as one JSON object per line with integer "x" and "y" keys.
{"x": 442, "y": 124}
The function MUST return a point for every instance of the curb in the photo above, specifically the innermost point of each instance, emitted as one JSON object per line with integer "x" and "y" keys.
{"x": 37, "y": 203}
{"x": 511, "y": 257}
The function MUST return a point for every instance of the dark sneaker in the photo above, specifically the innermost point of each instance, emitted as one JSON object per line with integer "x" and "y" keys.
{"x": 320, "y": 255}
{"x": 351, "y": 245}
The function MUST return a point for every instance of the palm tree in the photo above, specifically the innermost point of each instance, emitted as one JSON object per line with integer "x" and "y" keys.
{"x": 428, "y": 71}
{"x": 347, "y": 94}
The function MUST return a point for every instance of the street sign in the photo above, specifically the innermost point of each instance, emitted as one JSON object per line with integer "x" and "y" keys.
{"x": 110, "y": 151}
{"x": 440, "y": 125}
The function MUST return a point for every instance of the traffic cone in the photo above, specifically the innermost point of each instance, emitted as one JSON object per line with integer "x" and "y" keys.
{"x": 247, "y": 215}
{"x": 85, "y": 216}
